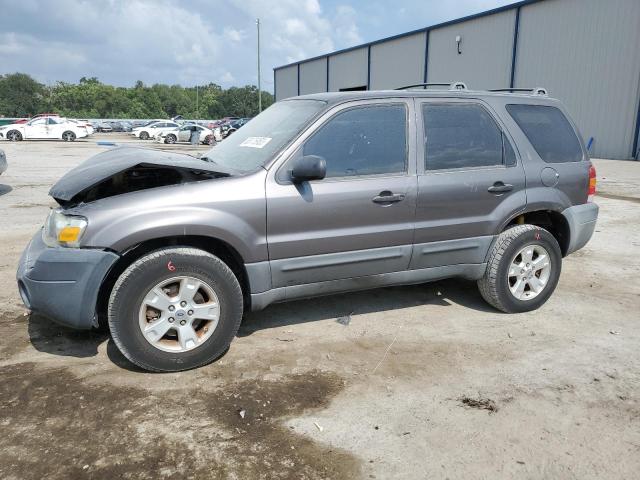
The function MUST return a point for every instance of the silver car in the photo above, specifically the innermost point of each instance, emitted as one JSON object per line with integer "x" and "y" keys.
{"x": 319, "y": 194}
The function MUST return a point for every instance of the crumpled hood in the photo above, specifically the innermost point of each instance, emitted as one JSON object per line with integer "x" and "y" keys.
{"x": 127, "y": 169}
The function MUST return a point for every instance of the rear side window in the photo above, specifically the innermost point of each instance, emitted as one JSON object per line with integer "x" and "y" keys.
{"x": 461, "y": 136}
{"x": 368, "y": 140}
{"x": 549, "y": 132}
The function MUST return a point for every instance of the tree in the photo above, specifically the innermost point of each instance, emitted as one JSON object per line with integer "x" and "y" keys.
{"x": 20, "y": 95}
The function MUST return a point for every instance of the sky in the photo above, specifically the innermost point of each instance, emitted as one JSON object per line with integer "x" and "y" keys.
{"x": 191, "y": 42}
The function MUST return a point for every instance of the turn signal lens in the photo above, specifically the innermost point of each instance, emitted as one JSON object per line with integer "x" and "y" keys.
{"x": 69, "y": 234}
{"x": 592, "y": 183}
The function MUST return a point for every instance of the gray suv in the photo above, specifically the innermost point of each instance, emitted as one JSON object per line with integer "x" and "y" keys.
{"x": 319, "y": 194}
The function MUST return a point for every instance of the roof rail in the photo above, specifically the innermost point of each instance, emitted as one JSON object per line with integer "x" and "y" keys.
{"x": 452, "y": 86}
{"x": 533, "y": 91}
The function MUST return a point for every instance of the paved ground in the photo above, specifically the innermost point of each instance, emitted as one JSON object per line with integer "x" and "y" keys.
{"x": 379, "y": 397}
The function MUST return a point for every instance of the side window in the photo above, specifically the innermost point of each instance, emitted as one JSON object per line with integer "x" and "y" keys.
{"x": 507, "y": 151}
{"x": 38, "y": 121}
{"x": 549, "y": 132}
{"x": 460, "y": 136}
{"x": 363, "y": 141}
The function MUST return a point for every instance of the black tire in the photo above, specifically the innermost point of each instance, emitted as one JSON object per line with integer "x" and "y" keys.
{"x": 144, "y": 136}
{"x": 171, "y": 139}
{"x": 494, "y": 285}
{"x": 134, "y": 283}
{"x": 69, "y": 136}
{"x": 14, "y": 136}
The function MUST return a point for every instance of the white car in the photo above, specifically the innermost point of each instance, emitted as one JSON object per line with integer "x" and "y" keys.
{"x": 183, "y": 134}
{"x": 153, "y": 130}
{"x": 44, "y": 128}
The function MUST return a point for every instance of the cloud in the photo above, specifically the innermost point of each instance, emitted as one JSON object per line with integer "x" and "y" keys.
{"x": 194, "y": 41}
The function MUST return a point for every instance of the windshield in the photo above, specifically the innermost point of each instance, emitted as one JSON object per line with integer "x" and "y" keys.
{"x": 258, "y": 140}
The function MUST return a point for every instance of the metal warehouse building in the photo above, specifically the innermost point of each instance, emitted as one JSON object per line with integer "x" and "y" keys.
{"x": 584, "y": 52}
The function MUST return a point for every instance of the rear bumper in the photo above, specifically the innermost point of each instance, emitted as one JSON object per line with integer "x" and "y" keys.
{"x": 62, "y": 283}
{"x": 582, "y": 222}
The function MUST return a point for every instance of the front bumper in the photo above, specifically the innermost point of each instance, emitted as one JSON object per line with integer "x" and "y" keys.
{"x": 582, "y": 222}
{"x": 62, "y": 283}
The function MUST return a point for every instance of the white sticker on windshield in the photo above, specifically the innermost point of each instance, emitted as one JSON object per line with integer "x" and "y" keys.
{"x": 255, "y": 142}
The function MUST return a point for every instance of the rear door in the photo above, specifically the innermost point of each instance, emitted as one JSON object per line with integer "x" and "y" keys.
{"x": 469, "y": 182}
{"x": 358, "y": 220}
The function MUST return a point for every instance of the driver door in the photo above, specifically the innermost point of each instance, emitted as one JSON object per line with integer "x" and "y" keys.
{"x": 359, "y": 219}
{"x": 36, "y": 128}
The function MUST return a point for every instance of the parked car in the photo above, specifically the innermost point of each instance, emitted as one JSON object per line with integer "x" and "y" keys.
{"x": 83, "y": 124}
{"x": 3, "y": 162}
{"x": 183, "y": 134}
{"x": 44, "y": 128}
{"x": 119, "y": 127}
{"x": 318, "y": 194}
{"x": 153, "y": 129}
{"x": 104, "y": 127}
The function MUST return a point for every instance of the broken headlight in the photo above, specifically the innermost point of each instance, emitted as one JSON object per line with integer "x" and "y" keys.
{"x": 63, "y": 230}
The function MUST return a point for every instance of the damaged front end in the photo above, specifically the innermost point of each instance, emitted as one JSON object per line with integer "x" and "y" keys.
{"x": 125, "y": 170}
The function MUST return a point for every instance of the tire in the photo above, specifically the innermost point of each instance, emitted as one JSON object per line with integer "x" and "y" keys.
{"x": 144, "y": 136}
{"x": 126, "y": 319}
{"x": 499, "y": 285}
{"x": 69, "y": 136}
{"x": 171, "y": 139}
{"x": 14, "y": 136}
{"x": 209, "y": 140}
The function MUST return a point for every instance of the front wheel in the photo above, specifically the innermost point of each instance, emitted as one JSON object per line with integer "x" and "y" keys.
{"x": 523, "y": 269}
{"x": 175, "y": 309}
{"x": 69, "y": 136}
{"x": 14, "y": 136}
{"x": 171, "y": 139}
{"x": 144, "y": 136}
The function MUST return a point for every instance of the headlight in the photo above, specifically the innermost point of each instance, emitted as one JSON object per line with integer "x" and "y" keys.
{"x": 63, "y": 230}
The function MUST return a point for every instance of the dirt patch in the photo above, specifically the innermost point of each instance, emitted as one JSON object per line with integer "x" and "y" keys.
{"x": 479, "y": 403}
{"x": 55, "y": 425}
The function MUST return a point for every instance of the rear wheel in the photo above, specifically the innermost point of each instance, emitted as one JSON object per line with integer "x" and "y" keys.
{"x": 144, "y": 136}
{"x": 14, "y": 136}
{"x": 69, "y": 136}
{"x": 175, "y": 309}
{"x": 523, "y": 269}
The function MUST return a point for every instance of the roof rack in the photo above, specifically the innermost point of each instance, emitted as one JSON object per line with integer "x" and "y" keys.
{"x": 533, "y": 91}
{"x": 452, "y": 86}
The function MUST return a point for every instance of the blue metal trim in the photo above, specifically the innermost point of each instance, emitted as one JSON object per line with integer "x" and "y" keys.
{"x": 327, "y": 73}
{"x": 413, "y": 32}
{"x": 426, "y": 54}
{"x": 369, "y": 68}
{"x": 298, "y": 79}
{"x": 514, "y": 51}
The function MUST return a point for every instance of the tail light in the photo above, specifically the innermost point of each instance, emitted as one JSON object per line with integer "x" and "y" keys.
{"x": 592, "y": 183}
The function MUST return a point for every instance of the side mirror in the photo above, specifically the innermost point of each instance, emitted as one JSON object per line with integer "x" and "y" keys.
{"x": 309, "y": 167}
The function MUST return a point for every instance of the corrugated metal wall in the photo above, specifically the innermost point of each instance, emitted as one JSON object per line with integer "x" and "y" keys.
{"x": 313, "y": 76}
{"x": 398, "y": 62}
{"x": 286, "y": 82}
{"x": 486, "y": 46}
{"x": 587, "y": 54}
{"x": 348, "y": 69}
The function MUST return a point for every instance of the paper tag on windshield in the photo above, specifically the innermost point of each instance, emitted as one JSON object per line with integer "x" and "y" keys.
{"x": 255, "y": 142}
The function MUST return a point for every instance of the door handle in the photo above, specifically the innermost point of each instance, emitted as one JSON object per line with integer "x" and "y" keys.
{"x": 500, "y": 187}
{"x": 388, "y": 197}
